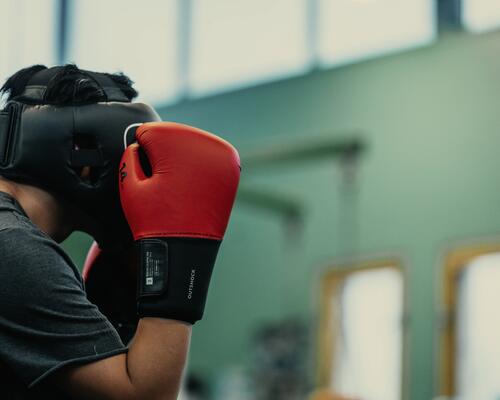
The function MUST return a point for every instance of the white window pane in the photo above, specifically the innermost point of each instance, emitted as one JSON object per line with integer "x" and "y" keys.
{"x": 27, "y": 34}
{"x": 478, "y": 330}
{"x": 369, "y": 348}
{"x": 136, "y": 38}
{"x": 355, "y": 29}
{"x": 239, "y": 42}
{"x": 481, "y": 15}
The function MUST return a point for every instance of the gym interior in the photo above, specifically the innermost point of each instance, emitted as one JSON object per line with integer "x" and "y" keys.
{"x": 362, "y": 260}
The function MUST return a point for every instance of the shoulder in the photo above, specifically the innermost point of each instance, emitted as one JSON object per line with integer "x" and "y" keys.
{"x": 17, "y": 243}
{"x": 17, "y": 232}
{"x": 23, "y": 243}
{"x": 36, "y": 279}
{"x": 32, "y": 259}
{"x": 9, "y": 218}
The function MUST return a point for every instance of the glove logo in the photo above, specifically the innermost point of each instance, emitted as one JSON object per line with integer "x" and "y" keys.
{"x": 123, "y": 173}
{"x": 191, "y": 284}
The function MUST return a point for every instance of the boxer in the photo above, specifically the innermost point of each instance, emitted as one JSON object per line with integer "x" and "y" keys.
{"x": 169, "y": 195}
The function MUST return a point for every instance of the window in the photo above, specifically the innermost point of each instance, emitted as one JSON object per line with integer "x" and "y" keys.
{"x": 239, "y": 42}
{"x": 137, "y": 38}
{"x": 177, "y": 48}
{"x": 361, "y": 331}
{"x": 350, "y": 30}
{"x": 27, "y": 34}
{"x": 480, "y": 15}
{"x": 470, "y": 347}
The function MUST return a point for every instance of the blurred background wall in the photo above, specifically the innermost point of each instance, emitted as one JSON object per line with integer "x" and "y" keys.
{"x": 426, "y": 182}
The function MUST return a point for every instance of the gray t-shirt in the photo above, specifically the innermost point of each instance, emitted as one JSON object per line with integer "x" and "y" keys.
{"x": 46, "y": 320}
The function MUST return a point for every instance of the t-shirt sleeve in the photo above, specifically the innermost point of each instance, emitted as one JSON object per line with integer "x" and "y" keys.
{"x": 46, "y": 320}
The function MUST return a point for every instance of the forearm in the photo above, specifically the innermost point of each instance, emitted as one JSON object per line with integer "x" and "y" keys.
{"x": 152, "y": 369}
{"x": 157, "y": 356}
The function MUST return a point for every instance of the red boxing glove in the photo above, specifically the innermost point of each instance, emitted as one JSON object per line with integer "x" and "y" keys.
{"x": 178, "y": 214}
{"x": 110, "y": 283}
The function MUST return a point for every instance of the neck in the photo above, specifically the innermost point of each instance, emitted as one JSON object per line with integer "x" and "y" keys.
{"x": 41, "y": 207}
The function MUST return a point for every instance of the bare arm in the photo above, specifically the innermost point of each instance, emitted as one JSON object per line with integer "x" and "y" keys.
{"x": 152, "y": 369}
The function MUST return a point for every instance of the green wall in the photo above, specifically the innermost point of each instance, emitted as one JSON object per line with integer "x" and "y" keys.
{"x": 429, "y": 179}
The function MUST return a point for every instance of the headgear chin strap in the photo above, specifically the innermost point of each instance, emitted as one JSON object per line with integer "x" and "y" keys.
{"x": 48, "y": 145}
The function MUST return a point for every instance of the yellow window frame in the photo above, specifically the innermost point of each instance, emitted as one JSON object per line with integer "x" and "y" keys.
{"x": 330, "y": 288}
{"x": 454, "y": 264}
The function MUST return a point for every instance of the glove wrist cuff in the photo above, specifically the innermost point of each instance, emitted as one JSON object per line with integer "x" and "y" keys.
{"x": 173, "y": 277}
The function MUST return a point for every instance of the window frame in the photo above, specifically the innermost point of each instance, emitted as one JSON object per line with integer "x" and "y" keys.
{"x": 329, "y": 61}
{"x": 330, "y": 286}
{"x": 468, "y": 24}
{"x": 17, "y": 55}
{"x": 192, "y": 89}
{"x": 68, "y": 50}
{"x": 455, "y": 262}
{"x": 184, "y": 92}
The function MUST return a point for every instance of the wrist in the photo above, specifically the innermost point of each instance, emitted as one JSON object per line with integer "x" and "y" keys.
{"x": 174, "y": 276}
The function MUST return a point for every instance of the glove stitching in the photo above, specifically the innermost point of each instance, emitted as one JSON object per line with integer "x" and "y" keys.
{"x": 197, "y": 234}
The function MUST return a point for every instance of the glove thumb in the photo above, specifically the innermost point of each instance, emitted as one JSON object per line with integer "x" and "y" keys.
{"x": 130, "y": 166}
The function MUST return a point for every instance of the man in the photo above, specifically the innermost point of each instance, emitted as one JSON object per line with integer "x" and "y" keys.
{"x": 54, "y": 343}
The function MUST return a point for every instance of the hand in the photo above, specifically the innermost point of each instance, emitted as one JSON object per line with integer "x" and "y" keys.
{"x": 178, "y": 214}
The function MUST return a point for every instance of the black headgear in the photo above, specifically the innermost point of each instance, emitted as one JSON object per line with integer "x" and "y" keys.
{"x": 47, "y": 145}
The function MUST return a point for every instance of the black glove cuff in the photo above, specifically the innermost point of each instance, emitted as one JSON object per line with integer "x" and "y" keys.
{"x": 174, "y": 276}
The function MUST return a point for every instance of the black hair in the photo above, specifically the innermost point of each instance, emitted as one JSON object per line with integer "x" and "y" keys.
{"x": 69, "y": 86}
